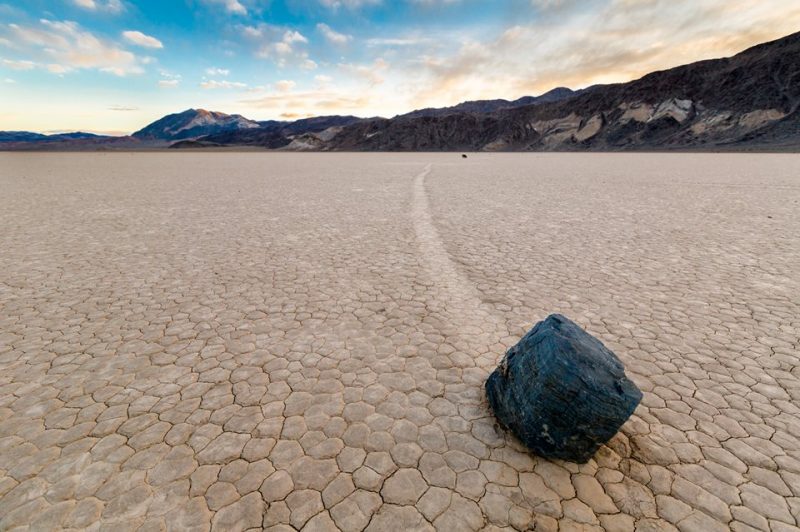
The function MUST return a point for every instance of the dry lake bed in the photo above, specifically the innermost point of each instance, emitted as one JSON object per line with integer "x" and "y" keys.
{"x": 299, "y": 341}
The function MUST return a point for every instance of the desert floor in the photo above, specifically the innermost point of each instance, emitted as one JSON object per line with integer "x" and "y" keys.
{"x": 300, "y": 341}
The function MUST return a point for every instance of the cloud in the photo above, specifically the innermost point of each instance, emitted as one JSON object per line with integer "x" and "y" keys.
{"x": 432, "y": 3}
{"x": 251, "y": 32}
{"x": 9, "y": 81}
{"x": 285, "y": 46}
{"x": 223, "y": 84}
{"x": 140, "y": 39}
{"x": 213, "y": 71}
{"x": 398, "y": 41}
{"x": 69, "y": 47}
{"x": 293, "y": 36}
{"x": 55, "y": 68}
{"x": 317, "y": 102}
{"x": 349, "y": 4}
{"x": 18, "y": 65}
{"x": 333, "y": 36}
{"x": 111, "y": 6}
{"x": 168, "y": 83}
{"x": 546, "y": 5}
{"x": 372, "y": 73}
{"x": 231, "y": 6}
{"x": 285, "y": 85}
{"x": 122, "y": 108}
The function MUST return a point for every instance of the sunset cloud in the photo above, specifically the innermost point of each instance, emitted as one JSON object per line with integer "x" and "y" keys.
{"x": 70, "y": 47}
{"x": 223, "y": 84}
{"x": 333, "y": 36}
{"x": 140, "y": 39}
{"x": 111, "y": 6}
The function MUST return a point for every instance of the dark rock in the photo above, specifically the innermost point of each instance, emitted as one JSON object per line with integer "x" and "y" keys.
{"x": 561, "y": 391}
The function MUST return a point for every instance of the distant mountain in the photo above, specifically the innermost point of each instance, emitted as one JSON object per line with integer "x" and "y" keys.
{"x": 274, "y": 134}
{"x": 748, "y": 101}
{"x": 490, "y": 106}
{"x": 193, "y": 123}
{"x": 27, "y": 136}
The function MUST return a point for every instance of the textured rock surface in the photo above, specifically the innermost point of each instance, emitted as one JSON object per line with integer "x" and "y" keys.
{"x": 561, "y": 391}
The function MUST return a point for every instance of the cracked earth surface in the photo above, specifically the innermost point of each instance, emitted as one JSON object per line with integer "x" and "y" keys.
{"x": 194, "y": 341}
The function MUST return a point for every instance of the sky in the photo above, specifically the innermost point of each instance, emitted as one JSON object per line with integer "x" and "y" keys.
{"x": 113, "y": 66}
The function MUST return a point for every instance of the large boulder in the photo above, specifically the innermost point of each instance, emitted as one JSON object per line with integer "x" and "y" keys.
{"x": 561, "y": 391}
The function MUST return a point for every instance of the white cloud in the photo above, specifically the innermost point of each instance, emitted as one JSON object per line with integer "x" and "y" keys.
{"x": 9, "y": 81}
{"x": 18, "y": 65}
{"x": 55, "y": 68}
{"x": 431, "y": 3}
{"x": 318, "y": 102}
{"x": 213, "y": 71}
{"x": 67, "y": 46}
{"x": 284, "y": 46}
{"x": 372, "y": 73}
{"x": 168, "y": 83}
{"x": 168, "y": 75}
{"x": 285, "y": 85}
{"x": 333, "y": 36}
{"x": 398, "y": 41}
{"x": 140, "y": 39}
{"x": 111, "y": 6}
{"x": 350, "y": 4}
{"x": 293, "y": 36}
{"x": 322, "y": 81}
{"x": 223, "y": 84}
{"x": 231, "y": 6}
{"x": 251, "y": 32}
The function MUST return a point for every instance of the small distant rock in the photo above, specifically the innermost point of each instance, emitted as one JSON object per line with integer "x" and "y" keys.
{"x": 561, "y": 391}
{"x": 463, "y": 155}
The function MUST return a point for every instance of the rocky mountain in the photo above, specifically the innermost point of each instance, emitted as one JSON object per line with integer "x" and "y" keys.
{"x": 746, "y": 101}
{"x": 27, "y": 136}
{"x": 193, "y": 123}
{"x": 490, "y": 106}
{"x": 274, "y": 134}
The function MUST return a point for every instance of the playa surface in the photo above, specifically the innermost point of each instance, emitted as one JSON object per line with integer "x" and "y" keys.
{"x": 300, "y": 341}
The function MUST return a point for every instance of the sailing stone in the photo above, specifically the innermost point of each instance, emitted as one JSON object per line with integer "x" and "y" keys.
{"x": 561, "y": 391}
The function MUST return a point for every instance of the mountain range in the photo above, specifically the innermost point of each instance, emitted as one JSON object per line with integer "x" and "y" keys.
{"x": 747, "y": 101}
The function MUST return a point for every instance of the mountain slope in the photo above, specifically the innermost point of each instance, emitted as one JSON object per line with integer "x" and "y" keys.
{"x": 274, "y": 134}
{"x": 193, "y": 123}
{"x": 490, "y": 106}
{"x": 727, "y": 103}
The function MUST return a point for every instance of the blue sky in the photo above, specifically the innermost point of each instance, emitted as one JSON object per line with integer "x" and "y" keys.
{"x": 115, "y": 65}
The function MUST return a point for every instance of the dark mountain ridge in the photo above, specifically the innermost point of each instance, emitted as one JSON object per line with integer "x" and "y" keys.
{"x": 490, "y": 106}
